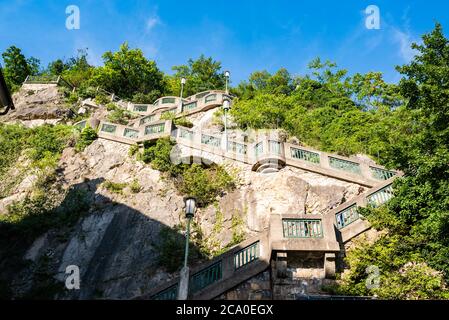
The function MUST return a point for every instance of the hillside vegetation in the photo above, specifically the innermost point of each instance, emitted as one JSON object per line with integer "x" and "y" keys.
{"x": 403, "y": 126}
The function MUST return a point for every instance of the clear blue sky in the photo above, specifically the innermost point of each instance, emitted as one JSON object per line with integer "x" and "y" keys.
{"x": 244, "y": 35}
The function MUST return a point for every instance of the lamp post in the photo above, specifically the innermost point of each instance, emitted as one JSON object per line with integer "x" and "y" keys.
{"x": 226, "y": 107}
{"x": 183, "y": 82}
{"x": 190, "y": 207}
{"x": 5, "y": 97}
{"x": 227, "y": 74}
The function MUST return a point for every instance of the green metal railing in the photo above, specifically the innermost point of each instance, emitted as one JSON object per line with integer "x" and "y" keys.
{"x": 345, "y": 165}
{"x": 189, "y": 106}
{"x": 108, "y": 128}
{"x": 381, "y": 174}
{"x": 237, "y": 147}
{"x": 147, "y": 119}
{"x": 170, "y": 293}
{"x": 305, "y": 155}
{"x": 169, "y": 111}
{"x": 302, "y": 228}
{"x": 168, "y": 100}
{"x": 200, "y": 95}
{"x": 347, "y": 216}
{"x": 258, "y": 149}
{"x": 205, "y": 277}
{"x": 380, "y": 197}
{"x": 185, "y": 134}
{"x": 274, "y": 146}
{"x": 81, "y": 124}
{"x": 42, "y": 79}
{"x": 247, "y": 255}
{"x": 155, "y": 128}
{"x": 210, "y": 140}
{"x": 140, "y": 108}
{"x": 211, "y": 97}
{"x": 131, "y": 133}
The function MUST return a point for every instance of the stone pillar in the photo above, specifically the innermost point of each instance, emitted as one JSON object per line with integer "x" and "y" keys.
{"x": 94, "y": 123}
{"x": 183, "y": 292}
{"x": 329, "y": 265}
{"x": 281, "y": 265}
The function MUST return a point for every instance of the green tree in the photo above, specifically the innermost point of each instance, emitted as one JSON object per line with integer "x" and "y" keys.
{"x": 78, "y": 72}
{"x": 56, "y": 67}
{"x": 127, "y": 72}
{"x": 17, "y": 67}
{"x": 201, "y": 74}
{"x": 413, "y": 254}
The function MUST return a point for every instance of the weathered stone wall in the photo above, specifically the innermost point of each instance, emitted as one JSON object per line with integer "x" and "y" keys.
{"x": 256, "y": 288}
{"x": 116, "y": 243}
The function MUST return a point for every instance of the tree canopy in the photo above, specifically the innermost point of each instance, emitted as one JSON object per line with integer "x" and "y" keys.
{"x": 128, "y": 72}
{"x": 17, "y": 67}
{"x": 201, "y": 74}
{"x": 403, "y": 126}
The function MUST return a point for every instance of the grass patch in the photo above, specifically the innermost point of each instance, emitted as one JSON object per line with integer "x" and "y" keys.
{"x": 114, "y": 187}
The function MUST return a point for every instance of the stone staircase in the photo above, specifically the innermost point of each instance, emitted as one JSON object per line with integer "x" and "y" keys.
{"x": 320, "y": 235}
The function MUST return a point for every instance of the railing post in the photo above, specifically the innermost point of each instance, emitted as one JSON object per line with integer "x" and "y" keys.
{"x": 183, "y": 291}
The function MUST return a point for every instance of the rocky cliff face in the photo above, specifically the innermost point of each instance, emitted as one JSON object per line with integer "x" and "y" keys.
{"x": 116, "y": 243}
{"x": 38, "y": 104}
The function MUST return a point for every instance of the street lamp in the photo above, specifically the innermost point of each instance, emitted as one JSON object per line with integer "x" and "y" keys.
{"x": 183, "y": 82}
{"x": 190, "y": 207}
{"x": 226, "y": 107}
{"x": 5, "y": 97}
{"x": 227, "y": 74}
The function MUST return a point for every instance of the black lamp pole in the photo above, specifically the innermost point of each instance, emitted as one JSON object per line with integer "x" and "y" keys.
{"x": 5, "y": 96}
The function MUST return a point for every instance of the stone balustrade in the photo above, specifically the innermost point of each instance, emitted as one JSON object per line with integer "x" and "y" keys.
{"x": 132, "y": 135}
{"x": 222, "y": 273}
{"x": 266, "y": 153}
{"x": 346, "y": 217}
{"x": 200, "y": 102}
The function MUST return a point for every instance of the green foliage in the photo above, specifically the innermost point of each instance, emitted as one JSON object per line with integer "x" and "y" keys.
{"x": 75, "y": 70}
{"x": 56, "y": 67}
{"x": 135, "y": 186}
{"x": 48, "y": 139}
{"x": 118, "y": 115}
{"x": 238, "y": 234}
{"x": 201, "y": 74}
{"x": 17, "y": 67}
{"x": 114, "y": 187}
{"x": 42, "y": 143}
{"x": 183, "y": 122}
{"x": 205, "y": 184}
{"x": 133, "y": 150}
{"x": 262, "y": 82}
{"x": 172, "y": 246}
{"x": 403, "y": 274}
{"x": 73, "y": 98}
{"x": 413, "y": 254}
{"x": 146, "y": 98}
{"x": 102, "y": 99}
{"x": 158, "y": 155}
{"x": 40, "y": 212}
{"x": 12, "y": 142}
{"x": 87, "y": 136}
{"x": 127, "y": 72}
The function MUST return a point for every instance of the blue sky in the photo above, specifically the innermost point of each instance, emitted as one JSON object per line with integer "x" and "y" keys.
{"x": 244, "y": 35}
